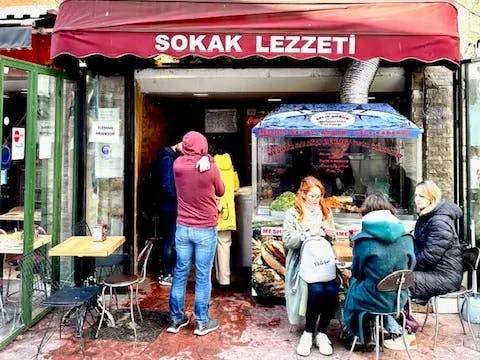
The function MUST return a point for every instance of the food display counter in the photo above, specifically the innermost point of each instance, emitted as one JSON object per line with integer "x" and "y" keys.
{"x": 354, "y": 149}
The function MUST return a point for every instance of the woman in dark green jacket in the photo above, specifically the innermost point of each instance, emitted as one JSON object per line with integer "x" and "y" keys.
{"x": 380, "y": 248}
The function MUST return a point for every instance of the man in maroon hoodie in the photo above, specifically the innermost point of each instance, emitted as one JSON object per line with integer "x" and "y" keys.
{"x": 196, "y": 233}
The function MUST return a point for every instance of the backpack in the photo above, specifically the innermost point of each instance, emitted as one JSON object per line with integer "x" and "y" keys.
{"x": 317, "y": 261}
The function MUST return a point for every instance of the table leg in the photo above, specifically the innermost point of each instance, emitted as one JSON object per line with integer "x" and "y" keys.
{"x": 84, "y": 267}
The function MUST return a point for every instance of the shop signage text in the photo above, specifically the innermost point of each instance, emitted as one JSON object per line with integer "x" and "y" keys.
{"x": 260, "y": 44}
{"x": 280, "y": 149}
{"x": 271, "y": 230}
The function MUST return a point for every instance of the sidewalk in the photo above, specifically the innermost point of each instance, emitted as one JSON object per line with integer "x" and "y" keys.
{"x": 248, "y": 330}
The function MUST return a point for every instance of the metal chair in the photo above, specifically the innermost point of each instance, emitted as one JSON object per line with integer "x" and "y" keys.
{"x": 104, "y": 266}
{"x": 76, "y": 301}
{"x": 116, "y": 281}
{"x": 396, "y": 281}
{"x": 471, "y": 260}
{"x": 16, "y": 262}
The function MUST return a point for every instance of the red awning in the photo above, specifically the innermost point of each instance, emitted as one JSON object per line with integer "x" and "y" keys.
{"x": 392, "y": 30}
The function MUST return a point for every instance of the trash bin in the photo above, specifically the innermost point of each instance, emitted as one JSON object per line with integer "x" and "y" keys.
{"x": 244, "y": 211}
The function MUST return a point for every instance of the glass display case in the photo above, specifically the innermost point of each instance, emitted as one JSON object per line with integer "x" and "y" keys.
{"x": 354, "y": 149}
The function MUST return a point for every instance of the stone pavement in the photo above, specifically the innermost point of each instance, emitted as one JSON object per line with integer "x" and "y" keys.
{"x": 249, "y": 330}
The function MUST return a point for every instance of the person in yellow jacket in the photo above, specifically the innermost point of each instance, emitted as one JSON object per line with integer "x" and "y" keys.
{"x": 226, "y": 219}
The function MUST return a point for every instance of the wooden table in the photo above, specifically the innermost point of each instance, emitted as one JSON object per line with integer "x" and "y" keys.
{"x": 18, "y": 217}
{"x": 13, "y": 243}
{"x": 83, "y": 246}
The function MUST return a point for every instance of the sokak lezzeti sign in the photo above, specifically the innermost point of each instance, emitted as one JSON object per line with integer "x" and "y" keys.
{"x": 228, "y": 44}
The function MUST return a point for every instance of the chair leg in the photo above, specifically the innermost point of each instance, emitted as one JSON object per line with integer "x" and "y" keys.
{"x": 427, "y": 310}
{"x": 116, "y": 298}
{"x": 1, "y": 308}
{"x": 131, "y": 312}
{"x": 103, "y": 311}
{"x": 404, "y": 335}
{"x": 383, "y": 335}
{"x": 437, "y": 315}
{"x": 8, "y": 282}
{"x": 377, "y": 337}
{"x": 459, "y": 309}
{"x": 353, "y": 346}
{"x": 61, "y": 324}
{"x": 470, "y": 323}
{"x": 138, "y": 303}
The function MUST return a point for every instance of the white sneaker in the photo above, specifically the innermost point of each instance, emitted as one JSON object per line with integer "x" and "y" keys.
{"x": 305, "y": 344}
{"x": 396, "y": 343}
{"x": 324, "y": 344}
{"x": 166, "y": 280}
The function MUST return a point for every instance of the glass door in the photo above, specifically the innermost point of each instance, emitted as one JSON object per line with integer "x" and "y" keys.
{"x": 12, "y": 195}
{"x": 472, "y": 150}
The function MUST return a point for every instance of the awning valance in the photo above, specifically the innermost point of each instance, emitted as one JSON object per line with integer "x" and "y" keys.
{"x": 16, "y": 37}
{"x": 392, "y": 30}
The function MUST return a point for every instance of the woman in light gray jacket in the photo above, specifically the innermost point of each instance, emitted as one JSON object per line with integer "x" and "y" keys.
{"x": 314, "y": 293}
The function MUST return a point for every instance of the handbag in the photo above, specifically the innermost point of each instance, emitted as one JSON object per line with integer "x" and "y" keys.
{"x": 411, "y": 324}
{"x": 473, "y": 308}
{"x": 317, "y": 261}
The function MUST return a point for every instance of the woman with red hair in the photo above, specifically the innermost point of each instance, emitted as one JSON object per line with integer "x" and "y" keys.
{"x": 311, "y": 289}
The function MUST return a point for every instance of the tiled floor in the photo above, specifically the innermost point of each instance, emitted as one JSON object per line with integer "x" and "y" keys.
{"x": 249, "y": 330}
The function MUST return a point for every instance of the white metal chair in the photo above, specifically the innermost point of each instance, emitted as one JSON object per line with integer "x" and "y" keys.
{"x": 396, "y": 281}
{"x": 116, "y": 281}
{"x": 471, "y": 260}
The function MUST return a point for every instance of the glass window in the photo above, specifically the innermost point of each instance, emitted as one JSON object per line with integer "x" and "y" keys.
{"x": 104, "y": 173}
{"x": 66, "y": 263}
{"x": 473, "y": 142}
{"x": 349, "y": 168}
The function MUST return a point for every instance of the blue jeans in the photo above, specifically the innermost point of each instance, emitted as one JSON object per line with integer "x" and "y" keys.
{"x": 167, "y": 231}
{"x": 391, "y": 325}
{"x": 190, "y": 242}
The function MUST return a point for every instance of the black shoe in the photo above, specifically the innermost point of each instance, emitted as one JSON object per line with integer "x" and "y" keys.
{"x": 207, "y": 327}
{"x": 223, "y": 287}
{"x": 176, "y": 326}
{"x": 369, "y": 346}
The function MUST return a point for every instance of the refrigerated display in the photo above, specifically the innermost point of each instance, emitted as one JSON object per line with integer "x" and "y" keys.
{"x": 354, "y": 149}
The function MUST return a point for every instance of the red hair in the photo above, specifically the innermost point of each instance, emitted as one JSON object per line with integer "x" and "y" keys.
{"x": 306, "y": 185}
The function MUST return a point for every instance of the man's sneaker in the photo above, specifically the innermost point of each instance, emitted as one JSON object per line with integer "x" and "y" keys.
{"x": 176, "y": 326}
{"x": 165, "y": 280}
{"x": 396, "y": 342}
{"x": 207, "y": 327}
{"x": 305, "y": 344}
{"x": 324, "y": 344}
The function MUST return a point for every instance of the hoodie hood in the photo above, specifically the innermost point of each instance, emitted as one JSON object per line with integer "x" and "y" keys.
{"x": 223, "y": 161}
{"x": 447, "y": 208}
{"x": 381, "y": 225}
{"x": 194, "y": 143}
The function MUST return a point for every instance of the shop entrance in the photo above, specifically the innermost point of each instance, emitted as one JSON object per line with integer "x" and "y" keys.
{"x": 163, "y": 123}
{"x": 223, "y": 104}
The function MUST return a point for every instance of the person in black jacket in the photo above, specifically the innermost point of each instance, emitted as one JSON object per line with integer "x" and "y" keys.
{"x": 438, "y": 268}
{"x": 167, "y": 208}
